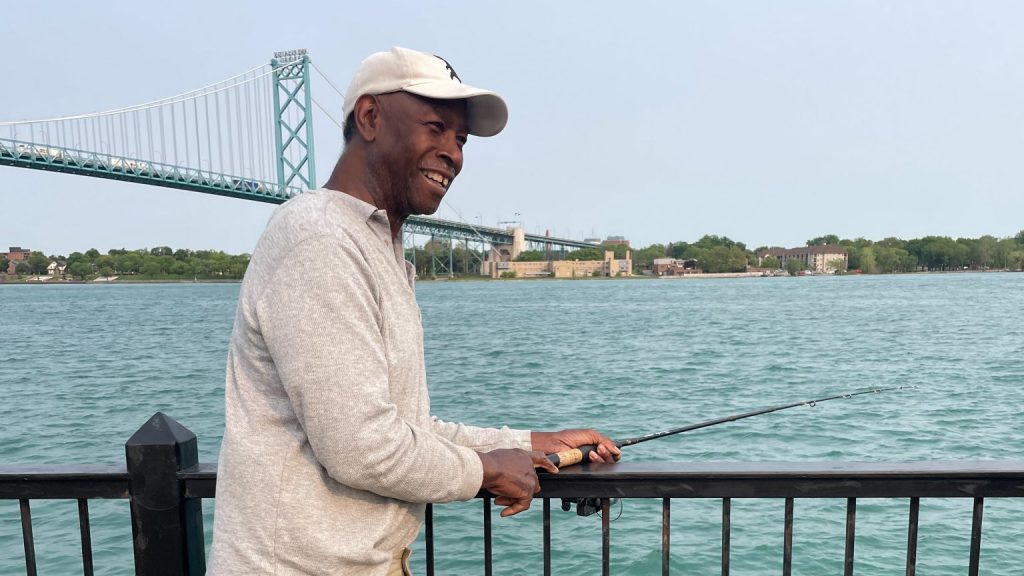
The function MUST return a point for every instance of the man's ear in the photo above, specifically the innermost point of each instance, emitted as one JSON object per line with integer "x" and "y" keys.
{"x": 367, "y": 116}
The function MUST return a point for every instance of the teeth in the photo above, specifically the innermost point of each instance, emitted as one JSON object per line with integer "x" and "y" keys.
{"x": 434, "y": 176}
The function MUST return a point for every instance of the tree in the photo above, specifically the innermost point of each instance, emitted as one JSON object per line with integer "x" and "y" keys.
{"x": 162, "y": 251}
{"x": 771, "y": 263}
{"x": 4, "y": 264}
{"x": 106, "y": 271}
{"x": 644, "y": 257}
{"x": 723, "y": 259}
{"x": 826, "y": 240}
{"x": 678, "y": 249}
{"x": 92, "y": 254}
{"x": 619, "y": 250}
{"x": 81, "y": 269}
{"x": 867, "y": 262}
{"x": 531, "y": 256}
{"x": 37, "y": 262}
{"x": 837, "y": 264}
{"x": 22, "y": 269}
{"x": 794, "y": 266}
{"x": 585, "y": 254}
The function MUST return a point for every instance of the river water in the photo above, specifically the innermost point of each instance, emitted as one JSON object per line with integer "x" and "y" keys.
{"x": 84, "y": 366}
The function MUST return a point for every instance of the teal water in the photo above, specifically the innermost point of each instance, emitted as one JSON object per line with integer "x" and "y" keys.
{"x": 83, "y": 366}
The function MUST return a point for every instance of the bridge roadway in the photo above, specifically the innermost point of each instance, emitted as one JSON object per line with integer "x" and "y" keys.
{"x": 83, "y": 163}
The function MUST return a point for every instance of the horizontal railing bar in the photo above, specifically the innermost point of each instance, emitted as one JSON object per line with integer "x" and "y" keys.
{"x": 63, "y": 482}
{"x": 956, "y": 479}
{"x": 199, "y": 481}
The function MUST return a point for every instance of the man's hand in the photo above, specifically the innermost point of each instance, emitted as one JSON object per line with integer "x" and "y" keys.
{"x": 554, "y": 442}
{"x": 510, "y": 475}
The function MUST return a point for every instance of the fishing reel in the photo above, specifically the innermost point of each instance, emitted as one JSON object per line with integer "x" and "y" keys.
{"x": 585, "y": 506}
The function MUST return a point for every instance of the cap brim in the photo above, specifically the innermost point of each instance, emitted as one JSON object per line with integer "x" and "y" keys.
{"x": 486, "y": 112}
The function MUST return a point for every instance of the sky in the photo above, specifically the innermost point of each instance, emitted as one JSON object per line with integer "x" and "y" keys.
{"x": 767, "y": 122}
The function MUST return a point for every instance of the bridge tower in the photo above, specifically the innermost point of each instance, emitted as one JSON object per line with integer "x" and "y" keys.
{"x": 293, "y": 120}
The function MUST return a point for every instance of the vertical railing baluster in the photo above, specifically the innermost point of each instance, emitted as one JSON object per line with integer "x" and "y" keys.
{"x": 487, "y": 537}
{"x": 787, "y": 540}
{"x": 979, "y": 508}
{"x": 430, "y": 539}
{"x": 606, "y": 538}
{"x": 915, "y": 506}
{"x": 666, "y": 505}
{"x": 83, "y": 524}
{"x": 547, "y": 537}
{"x": 726, "y": 505}
{"x": 26, "y": 533}
{"x": 851, "y": 528}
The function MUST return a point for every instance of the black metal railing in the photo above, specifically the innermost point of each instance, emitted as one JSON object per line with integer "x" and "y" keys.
{"x": 165, "y": 483}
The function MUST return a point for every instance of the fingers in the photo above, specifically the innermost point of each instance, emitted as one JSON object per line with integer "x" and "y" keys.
{"x": 608, "y": 451}
{"x": 540, "y": 460}
{"x": 516, "y": 508}
{"x": 512, "y": 506}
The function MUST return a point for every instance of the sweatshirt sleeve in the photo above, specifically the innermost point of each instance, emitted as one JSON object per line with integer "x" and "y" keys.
{"x": 482, "y": 439}
{"x": 320, "y": 318}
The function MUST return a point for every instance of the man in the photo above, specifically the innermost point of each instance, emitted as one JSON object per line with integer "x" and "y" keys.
{"x": 329, "y": 450}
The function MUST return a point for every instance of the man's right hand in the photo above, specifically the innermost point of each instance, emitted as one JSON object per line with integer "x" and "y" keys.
{"x": 510, "y": 475}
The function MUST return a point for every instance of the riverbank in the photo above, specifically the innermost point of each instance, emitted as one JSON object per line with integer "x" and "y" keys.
{"x": 36, "y": 281}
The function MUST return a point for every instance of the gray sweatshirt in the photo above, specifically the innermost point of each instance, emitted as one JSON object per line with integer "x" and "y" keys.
{"x": 329, "y": 450}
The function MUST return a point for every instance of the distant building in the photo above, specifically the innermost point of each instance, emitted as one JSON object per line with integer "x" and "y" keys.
{"x": 821, "y": 259}
{"x": 16, "y": 254}
{"x": 616, "y": 241}
{"x": 609, "y": 266}
{"x": 675, "y": 266}
{"x": 56, "y": 268}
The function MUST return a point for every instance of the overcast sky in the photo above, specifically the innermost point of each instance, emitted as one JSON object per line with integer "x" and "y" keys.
{"x": 768, "y": 122}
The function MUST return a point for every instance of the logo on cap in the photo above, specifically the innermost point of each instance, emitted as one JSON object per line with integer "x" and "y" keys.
{"x": 450, "y": 69}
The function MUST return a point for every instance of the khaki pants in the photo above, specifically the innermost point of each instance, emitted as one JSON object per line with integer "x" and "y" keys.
{"x": 400, "y": 563}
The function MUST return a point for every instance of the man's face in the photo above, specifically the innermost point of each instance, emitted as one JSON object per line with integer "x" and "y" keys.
{"x": 420, "y": 146}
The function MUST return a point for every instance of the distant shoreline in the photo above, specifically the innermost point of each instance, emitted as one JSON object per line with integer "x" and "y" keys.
{"x": 720, "y": 276}
{"x": 28, "y": 282}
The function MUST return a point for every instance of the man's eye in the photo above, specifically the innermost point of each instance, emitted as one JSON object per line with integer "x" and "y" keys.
{"x": 438, "y": 126}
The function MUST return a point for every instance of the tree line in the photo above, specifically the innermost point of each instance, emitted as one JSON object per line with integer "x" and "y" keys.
{"x": 160, "y": 263}
{"x": 714, "y": 254}
{"x": 717, "y": 254}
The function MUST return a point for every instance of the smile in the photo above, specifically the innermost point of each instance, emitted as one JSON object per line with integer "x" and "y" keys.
{"x": 436, "y": 177}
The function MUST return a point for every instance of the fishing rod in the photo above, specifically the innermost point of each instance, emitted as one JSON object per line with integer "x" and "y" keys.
{"x": 582, "y": 454}
{"x": 587, "y": 506}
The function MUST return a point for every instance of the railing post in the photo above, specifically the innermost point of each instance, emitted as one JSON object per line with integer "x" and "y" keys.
{"x": 167, "y": 528}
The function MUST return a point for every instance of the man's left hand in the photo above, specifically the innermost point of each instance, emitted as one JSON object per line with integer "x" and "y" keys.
{"x": 554, "y": 442}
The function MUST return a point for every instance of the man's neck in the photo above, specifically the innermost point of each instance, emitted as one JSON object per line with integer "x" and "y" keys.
{"x": 351, "y": 177}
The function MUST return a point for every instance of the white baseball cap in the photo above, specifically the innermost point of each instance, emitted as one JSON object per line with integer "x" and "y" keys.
{"x": 428, "y": 76}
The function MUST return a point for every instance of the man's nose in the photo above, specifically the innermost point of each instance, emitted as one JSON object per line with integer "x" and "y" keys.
{"x": 451, "y": 153}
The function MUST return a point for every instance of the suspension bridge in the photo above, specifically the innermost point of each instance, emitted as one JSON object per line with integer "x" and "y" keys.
{"x": 248, "y": 137}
